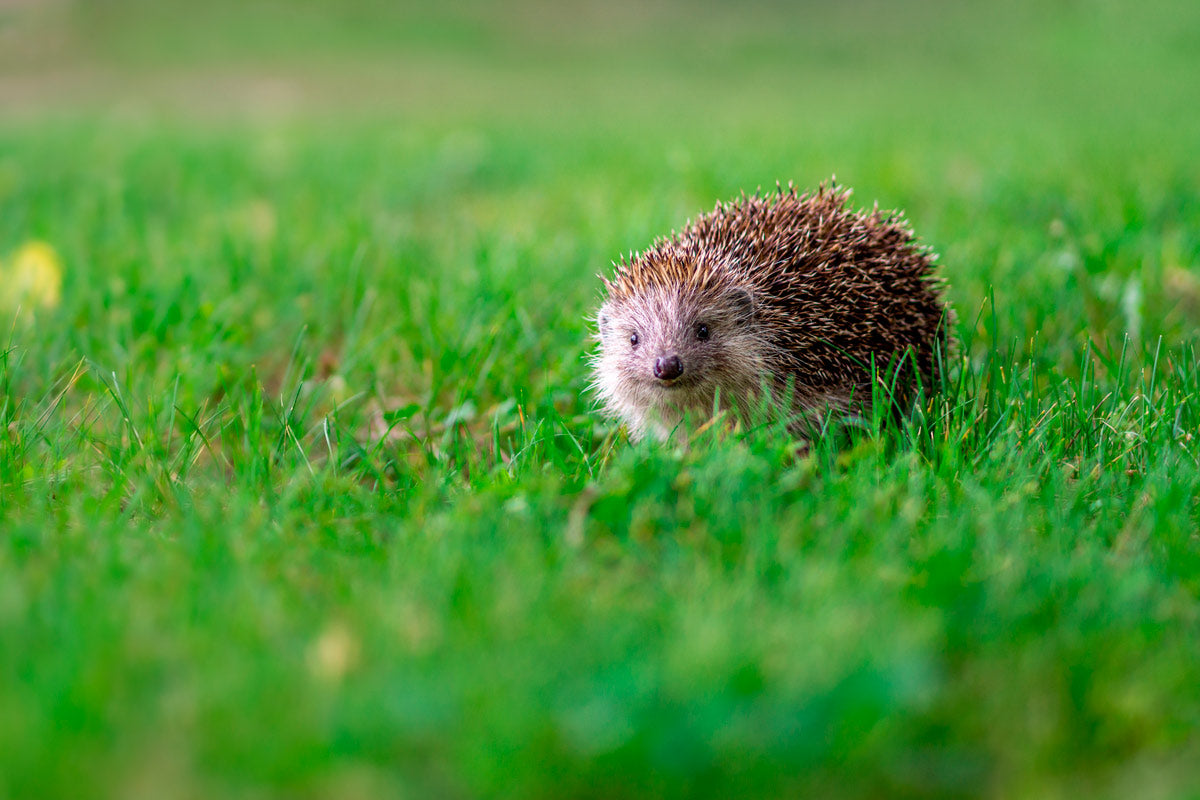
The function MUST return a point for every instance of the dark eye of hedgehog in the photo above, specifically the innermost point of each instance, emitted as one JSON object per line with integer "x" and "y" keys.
{"x": 702, "y": 332}
{"x": 633, "y": 339}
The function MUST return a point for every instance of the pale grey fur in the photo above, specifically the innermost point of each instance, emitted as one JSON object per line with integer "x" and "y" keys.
{"x": 731, "y": 363}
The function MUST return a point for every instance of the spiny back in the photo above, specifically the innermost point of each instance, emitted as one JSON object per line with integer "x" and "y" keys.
{"x": 834, "y": 288}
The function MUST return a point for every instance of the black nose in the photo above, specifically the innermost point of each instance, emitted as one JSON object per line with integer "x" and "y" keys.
{"x": 668, "y": 368}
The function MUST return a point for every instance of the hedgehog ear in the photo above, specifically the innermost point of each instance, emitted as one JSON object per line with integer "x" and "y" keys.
{"x": 742, "y": 303}
{"x": 602, "y": 322}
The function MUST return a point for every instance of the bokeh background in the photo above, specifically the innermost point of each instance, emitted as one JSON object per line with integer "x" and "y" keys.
{"x": 955, "y": 113}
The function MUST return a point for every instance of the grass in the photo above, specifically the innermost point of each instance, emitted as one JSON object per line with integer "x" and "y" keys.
{"x": 301, "y": 493}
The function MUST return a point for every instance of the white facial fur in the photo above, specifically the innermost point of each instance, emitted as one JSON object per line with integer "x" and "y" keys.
{"x": 726, "y": 354}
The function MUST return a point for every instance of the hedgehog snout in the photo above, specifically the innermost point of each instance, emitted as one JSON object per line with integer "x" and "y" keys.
{"x": 668, "y": 368}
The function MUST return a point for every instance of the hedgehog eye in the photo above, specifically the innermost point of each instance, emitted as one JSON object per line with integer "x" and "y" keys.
{"x": 702, "y": 332}
{"x": 633, "y": 339}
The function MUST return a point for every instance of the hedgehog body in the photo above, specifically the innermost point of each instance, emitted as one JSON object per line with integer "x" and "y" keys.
{"x": 796, "y": 295}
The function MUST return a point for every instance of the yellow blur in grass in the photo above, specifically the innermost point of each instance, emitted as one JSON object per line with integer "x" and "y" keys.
{"x": 31, "y": 278}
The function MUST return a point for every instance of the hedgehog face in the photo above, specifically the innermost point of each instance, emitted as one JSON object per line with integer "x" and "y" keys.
{"x": 664, "y": 354}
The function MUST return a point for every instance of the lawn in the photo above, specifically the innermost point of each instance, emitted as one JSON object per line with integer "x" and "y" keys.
{"x": 302, "y": 492}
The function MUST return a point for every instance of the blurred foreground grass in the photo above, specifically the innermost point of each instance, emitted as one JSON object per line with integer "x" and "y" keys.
{"x": 301, "y": 495}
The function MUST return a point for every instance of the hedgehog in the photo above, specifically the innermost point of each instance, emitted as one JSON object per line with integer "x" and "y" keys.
{"x": 797, "y": 299}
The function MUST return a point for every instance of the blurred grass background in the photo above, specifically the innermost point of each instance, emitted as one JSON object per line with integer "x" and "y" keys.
{"x": 301, "y": 493}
